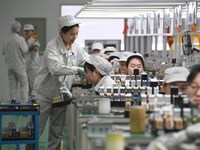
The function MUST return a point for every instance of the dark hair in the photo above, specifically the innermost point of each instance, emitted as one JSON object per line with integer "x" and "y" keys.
{"x": 132, "y": 57}
{"x": 193, "y": 73}
{"x": 195, "y": 49}
{"x": 91, "y": 68}
{"x": 66, "y": 29}
{"x": 112, "y": 57}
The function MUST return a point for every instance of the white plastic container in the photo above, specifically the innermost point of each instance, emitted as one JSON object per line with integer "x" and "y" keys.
{"x": 104, "y": 105}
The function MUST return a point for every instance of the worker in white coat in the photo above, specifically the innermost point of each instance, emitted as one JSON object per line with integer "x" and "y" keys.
{"x": 14, "y": 51}
{"x": 98, "y": 71}
{"x": 60, "y": 62}
{"x": 32, "y": 57}
{"x": 97, "y": 48}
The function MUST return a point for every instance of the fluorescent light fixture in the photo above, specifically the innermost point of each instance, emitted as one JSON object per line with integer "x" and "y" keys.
{"x": 111, "y": 14}
{"x": 127, "y": 8}
{"x": 93, "y": 1}
{"x": 128, "y": 4}
{"x": 140, "y": 2}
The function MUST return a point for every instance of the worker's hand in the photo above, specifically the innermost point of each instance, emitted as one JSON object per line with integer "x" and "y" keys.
{"x": 80, "y": 70}
{"x": 65, "y": 93}
{"x": 81, "y": 73}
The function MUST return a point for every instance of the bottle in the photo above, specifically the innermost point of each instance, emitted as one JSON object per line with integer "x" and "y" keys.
{"x": 13, "y": 101}
{"x": 168, "y": 122}
{"x": 178, "y": 121}
{"x": 33, "y": 99}
{"x": 184, "y": 60}
{"x": 127, "y": 105}
{"x": 152, "y": 103}
{"x": 115, "y": 141}
{"x": 144, "y": 101}
{"x": 187, "y": 118}
{"x": 156, "y": 121}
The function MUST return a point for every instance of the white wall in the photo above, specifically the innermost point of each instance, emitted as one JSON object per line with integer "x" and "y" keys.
{"x": 11, "y": 9}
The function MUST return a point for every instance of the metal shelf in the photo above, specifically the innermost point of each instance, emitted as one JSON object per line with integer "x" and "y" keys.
{"x": 35, "y": 117}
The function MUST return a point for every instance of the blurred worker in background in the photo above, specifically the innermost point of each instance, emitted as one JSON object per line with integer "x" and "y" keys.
{"x": 186, "y": 139}
{"x": 196, "y": 54}
{"x": 61, "y": 61}
{"x": 113, "y": 56}
{"x": 122, "y": 62}
{"x": 122, "y": 66}
{"x": 175, "y": 76}
{"x": 14, "y": 51}
{"x": 135, "y": 61}
{"x": 32, "y": 57}
{"x": 193, "y": 81}
{"x": 97, "y": 71}
{"x": 97, "y": 48}
{"x": 108, "y": 51}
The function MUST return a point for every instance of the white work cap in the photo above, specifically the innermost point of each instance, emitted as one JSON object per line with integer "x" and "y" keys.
{"x": 15, "y": 27}
{"x": 175, "y": 74}
{"x": 112, "y": 56}
{"x": 66, "y": 21}
{"x": 110, "y": 49}
{"x": 100, "y": 63}
{"x": 135, "y": 55}
{"x": 28, "y": 27}
{"x": 124, "y": 55}
{"x": 98, "y": 46}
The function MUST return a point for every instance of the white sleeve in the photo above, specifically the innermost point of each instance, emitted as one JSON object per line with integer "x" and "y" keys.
{"x": 193, "y": 131}
{"x": 23, "y": 45}
{"x": 170, "y": 141}
{"x": 82, "y": 56}
{"x": 55, "y": 64}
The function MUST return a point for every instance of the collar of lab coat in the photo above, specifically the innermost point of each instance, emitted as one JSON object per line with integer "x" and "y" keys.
{"x": 99, "y": 84}
{"x": 15, "y": 34}
{"x": 62, "y": 48}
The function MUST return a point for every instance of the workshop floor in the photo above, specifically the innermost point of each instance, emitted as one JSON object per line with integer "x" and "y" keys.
{"x": 21, "y": 121}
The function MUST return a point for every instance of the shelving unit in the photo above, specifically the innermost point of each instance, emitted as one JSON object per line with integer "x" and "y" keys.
{"x": 26, "y": 109}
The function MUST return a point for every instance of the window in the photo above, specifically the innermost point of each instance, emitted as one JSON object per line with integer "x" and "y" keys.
{"x": 96, "y": 28}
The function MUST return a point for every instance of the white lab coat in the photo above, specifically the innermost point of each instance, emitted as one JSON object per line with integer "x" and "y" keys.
{"x": 55, "y": 63}
{"x": 14, "y": 51}
{"x": 106, "y": 81}
{"x": 32, "y": 62}
{"x": 188, "y": 138}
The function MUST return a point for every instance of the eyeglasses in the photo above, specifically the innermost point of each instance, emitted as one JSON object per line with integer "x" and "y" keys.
{"x": 193, "y": 88}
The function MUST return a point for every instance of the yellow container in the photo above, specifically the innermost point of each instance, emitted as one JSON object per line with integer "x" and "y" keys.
{"x": 57, "y": 99}
{"x": 137, "y": 119}
{"x": 115, "y": 141}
